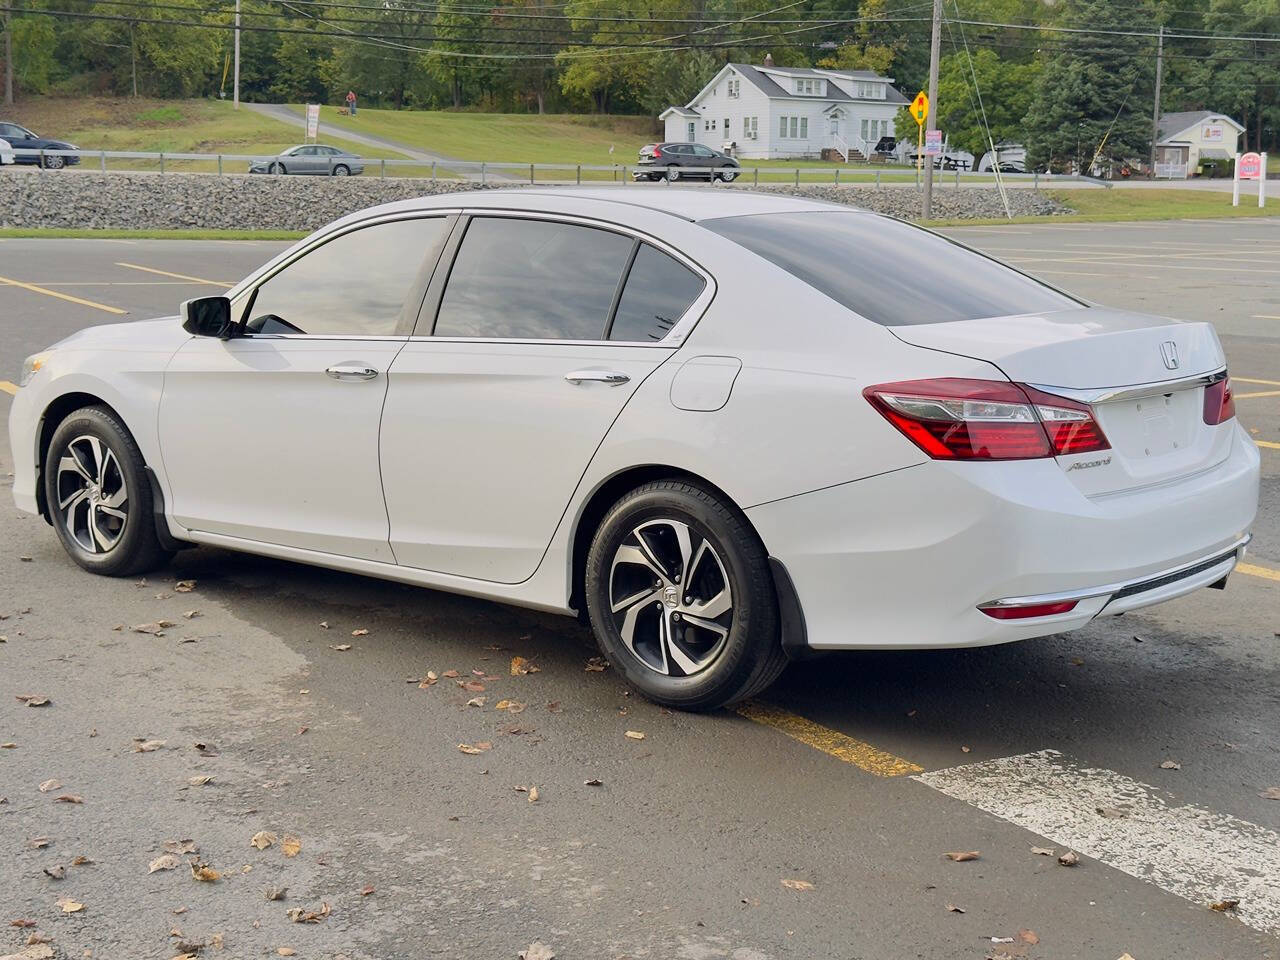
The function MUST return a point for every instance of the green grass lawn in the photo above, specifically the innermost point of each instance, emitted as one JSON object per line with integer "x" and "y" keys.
{"x": 1122, "y": 203}
{"x": 168, "y": 126}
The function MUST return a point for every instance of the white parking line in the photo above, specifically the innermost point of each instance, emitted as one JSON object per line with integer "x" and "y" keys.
{"x": 1200, "y": 855}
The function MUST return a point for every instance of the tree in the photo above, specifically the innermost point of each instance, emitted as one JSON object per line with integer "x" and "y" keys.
{"x": 1006, "y": 91}
{"x": 1094, "y": 94}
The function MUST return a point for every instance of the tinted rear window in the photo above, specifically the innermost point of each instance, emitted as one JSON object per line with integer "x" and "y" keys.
{"x": 889, "y": 272}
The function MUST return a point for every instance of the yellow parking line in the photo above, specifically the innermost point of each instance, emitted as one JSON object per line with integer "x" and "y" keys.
{"x": 1265, "y": 316}
{"x": 1259, "y": 393}
{"x": 176, "y": 276}
{"x": 61, "y": 296}
{"x": 9, "y": 388}
{"x": 1269, "y": 383}
{"x": 1268, "y": 444}
{"x": 861, "y": 755}
{"x": 1253, "y": 570}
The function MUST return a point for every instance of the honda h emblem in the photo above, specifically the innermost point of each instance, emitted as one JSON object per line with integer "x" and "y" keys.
{"x": 1169, "y": 352}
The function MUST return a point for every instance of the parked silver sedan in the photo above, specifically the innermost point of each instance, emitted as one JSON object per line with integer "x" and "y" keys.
{"x": 313, "y": 158}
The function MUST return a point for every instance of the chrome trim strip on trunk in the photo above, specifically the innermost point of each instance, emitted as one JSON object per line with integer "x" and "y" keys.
{"x": 1236, "y": 550}
{"x": 1137, "y": 391}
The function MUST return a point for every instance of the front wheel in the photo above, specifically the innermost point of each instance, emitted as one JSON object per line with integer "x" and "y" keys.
{"x": 673, "y": 174}
{"x": 341, "y": 170}
{"x": 681, "y": 599}
{"x": 728, "y": 176}
{"x": 99, "y": 496}
{"x": 276, "y": 168}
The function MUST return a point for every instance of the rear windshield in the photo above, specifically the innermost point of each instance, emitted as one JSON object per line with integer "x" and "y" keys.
{"x": 888, "y": 271}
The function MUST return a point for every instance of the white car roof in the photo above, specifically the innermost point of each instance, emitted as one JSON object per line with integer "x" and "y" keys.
{"x": 688, "y": 203}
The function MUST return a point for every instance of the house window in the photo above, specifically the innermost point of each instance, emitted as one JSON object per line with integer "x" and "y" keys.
{"x": 782, "y": 127}
{"x": 751, "y": 128}
{"x": 808, "y": 88}
{"x": 706, "y": 124}
{"x": 726, "y": 124}
{"x": 871, "y": 91}
{"x": 795, "y": 121}
{"x": 713, "y": 124}
{"x": 804, "y": 128}
{"x": 866, "y": 129}
{"x": 734, "y": 89}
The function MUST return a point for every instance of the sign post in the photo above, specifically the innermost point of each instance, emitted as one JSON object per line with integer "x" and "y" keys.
{"x": 920, "y": 112}
{"x": 1250, "y": 166}
{"x": 313, "y": 121}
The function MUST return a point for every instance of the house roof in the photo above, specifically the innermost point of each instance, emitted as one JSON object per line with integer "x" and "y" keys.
{"x": 683, "y": 111}
{"x": 771, "y": 88}
{"x": 1174, "y": 123}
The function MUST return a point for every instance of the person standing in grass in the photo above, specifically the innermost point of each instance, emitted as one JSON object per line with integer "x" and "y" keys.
{"x": 351, "y": 102}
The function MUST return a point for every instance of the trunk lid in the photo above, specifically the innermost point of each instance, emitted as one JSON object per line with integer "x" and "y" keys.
{"x": 1142, "y": 376}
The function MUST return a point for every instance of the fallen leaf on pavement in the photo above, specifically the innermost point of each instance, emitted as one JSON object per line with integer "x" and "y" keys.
{"x": 366, "y": 890}
{"x": 1043, "y": 851}
{"x": 324, "y": 624}
{"x": 147, "y": 746}
{"x": 262, "y": 839}
{"x": 10, "y": 745}
{"x": 965, "y": 750}
{"x": 275, "y": 893}
{"x": 191, "y": 614}
{"x": 520, "y": 666}
{"x": 290, "y": 845}
{"x": 181, "y": 846}
{"x": 204, "y": 873}
{"x": 36, "y": 701}
{"x": 533, "y": 794}
{"x": 299, "y": 915}
{"x": 1170, "y": 765}
{"x": 201, "y": 780}
{"x": 286, "y": 951}
{"x": 593, "y": 782}
{"x": 70, "y": 906}
{"x": 961, "y": 856}
{"x": 511, "y": 706}
{"x": 166, "y": 861}
{"x": 68, "y": 798}
{"x": 57, "y": 871}
{"x": 1111, "y": 813}
{"x": 1028, "y": 936}
{"x": 1271, "y": 793}
{"x": 155, "y": 628}
{"x": 81, "y": 861}
{"x": 1124, "y": 956}
{"x": 634, "y": 735}
{"x": 480, "y": 747}
{"x": 476, "y": 701}
{"x": 39, "y": 951}
{"x": 50, "y": 785}
{"x": 1224, "y": 906}
{"x": 553, "y": 706}
{"x": 362, "y": 632}
{"x": 184, "y": 586}
{"x": 429, "y": 679}
{"x": 340, "y": 647}
{"x": 472, "y": 686}
{"x": 22, "y": 924}
{"x": 797, "y": 884}
{"x": 952, "y": 908}
{"x": 1069, "y": 859}
{"x": 597, "y": 665}
{"x": 451, "y": 674}
{"x": 38, "y": 843}
{"x": 537, "y": 951}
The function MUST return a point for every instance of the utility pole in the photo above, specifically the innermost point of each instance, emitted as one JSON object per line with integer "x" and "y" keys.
{"x": 8, "y": 58}
{"x": 1155, "y": 109}
{"x": 235, "y": 96}
{"x": 931, "y": 122}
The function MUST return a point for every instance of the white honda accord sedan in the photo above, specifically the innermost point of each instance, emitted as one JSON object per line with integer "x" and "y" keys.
{"x": 726, "y": 428}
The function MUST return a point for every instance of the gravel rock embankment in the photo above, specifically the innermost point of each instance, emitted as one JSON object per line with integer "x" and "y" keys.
{"x": 147, "y": 201}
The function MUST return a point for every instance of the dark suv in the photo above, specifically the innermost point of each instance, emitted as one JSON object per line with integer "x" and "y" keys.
{"x": 20, "y": 138}
{"x": 671, "y": 159}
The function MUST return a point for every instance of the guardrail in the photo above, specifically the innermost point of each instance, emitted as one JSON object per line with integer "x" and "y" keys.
{"x": 509, "y": 172}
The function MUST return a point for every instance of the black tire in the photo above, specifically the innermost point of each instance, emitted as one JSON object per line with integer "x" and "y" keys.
{"x": 341, "y": 170}
{"x": 750, "y": 657}
{"x": 135, "y": 548}
{"x": 673, "y": 174}
{"x": 54, "y": 162}
{"x": 728, "y": 176}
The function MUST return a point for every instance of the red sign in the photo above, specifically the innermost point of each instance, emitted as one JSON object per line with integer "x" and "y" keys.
{"x": 1249, "y": 166}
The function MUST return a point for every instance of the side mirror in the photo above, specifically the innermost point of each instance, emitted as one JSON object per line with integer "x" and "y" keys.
{"x": 208, "y": 317}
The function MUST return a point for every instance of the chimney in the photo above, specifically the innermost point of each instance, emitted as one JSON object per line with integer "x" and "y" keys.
{"x": 768, "y": 59}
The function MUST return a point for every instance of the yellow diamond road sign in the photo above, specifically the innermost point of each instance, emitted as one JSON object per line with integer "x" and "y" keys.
{"x": 920, "y": 107}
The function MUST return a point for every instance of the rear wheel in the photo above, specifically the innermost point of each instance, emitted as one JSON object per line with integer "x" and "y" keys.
{"x": 673, "y": 174}
{"x": 54, "y": 162}
{"x": 681, "y": 598}
{"x": 99, "y": 495}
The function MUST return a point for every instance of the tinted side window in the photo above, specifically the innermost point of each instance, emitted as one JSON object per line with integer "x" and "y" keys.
{"x": 532, "y": 280}
{"x": 659, "y": 290}
{"x": 354, "y": 285}
{"x": 890, "y": 272}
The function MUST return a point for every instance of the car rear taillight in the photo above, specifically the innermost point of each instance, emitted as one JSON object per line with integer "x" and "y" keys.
{"x": 656, "y": 153}
{"x": 961, "y": 419}
{"x": 1029, "y": 610}
{"x": 1219, "y": 402}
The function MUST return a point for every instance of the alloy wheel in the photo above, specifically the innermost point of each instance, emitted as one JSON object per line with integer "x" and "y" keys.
{"x": 670, "y": 597}
{"x": 93, "y": 500}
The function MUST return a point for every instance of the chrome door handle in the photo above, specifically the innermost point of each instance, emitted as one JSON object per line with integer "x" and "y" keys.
{"x": 596, "y": 376}
{"x": 351, "y": 371}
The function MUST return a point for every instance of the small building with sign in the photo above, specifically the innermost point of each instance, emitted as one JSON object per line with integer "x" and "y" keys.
{"x": 1190, "y": 138}
{"x": 768, "y": 112}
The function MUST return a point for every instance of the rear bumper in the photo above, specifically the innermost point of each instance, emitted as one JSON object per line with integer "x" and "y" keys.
{"x": 904, "y": 560}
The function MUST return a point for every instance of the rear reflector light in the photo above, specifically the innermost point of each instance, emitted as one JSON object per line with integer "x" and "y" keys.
{"x": 1034, "y": 610}
{"x": 1219, "y": 402}
{"x": 959, "y": 419}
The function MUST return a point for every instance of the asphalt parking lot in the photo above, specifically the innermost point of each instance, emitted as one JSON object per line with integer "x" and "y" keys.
{"x": 813, "y": 824}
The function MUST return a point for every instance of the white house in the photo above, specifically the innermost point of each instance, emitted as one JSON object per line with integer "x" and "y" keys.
{"x": 1188, "y": 138}
{"x": 769, "y": 112}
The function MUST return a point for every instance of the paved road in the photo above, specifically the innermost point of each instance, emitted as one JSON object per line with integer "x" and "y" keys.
{"x": 682, "y": 850}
